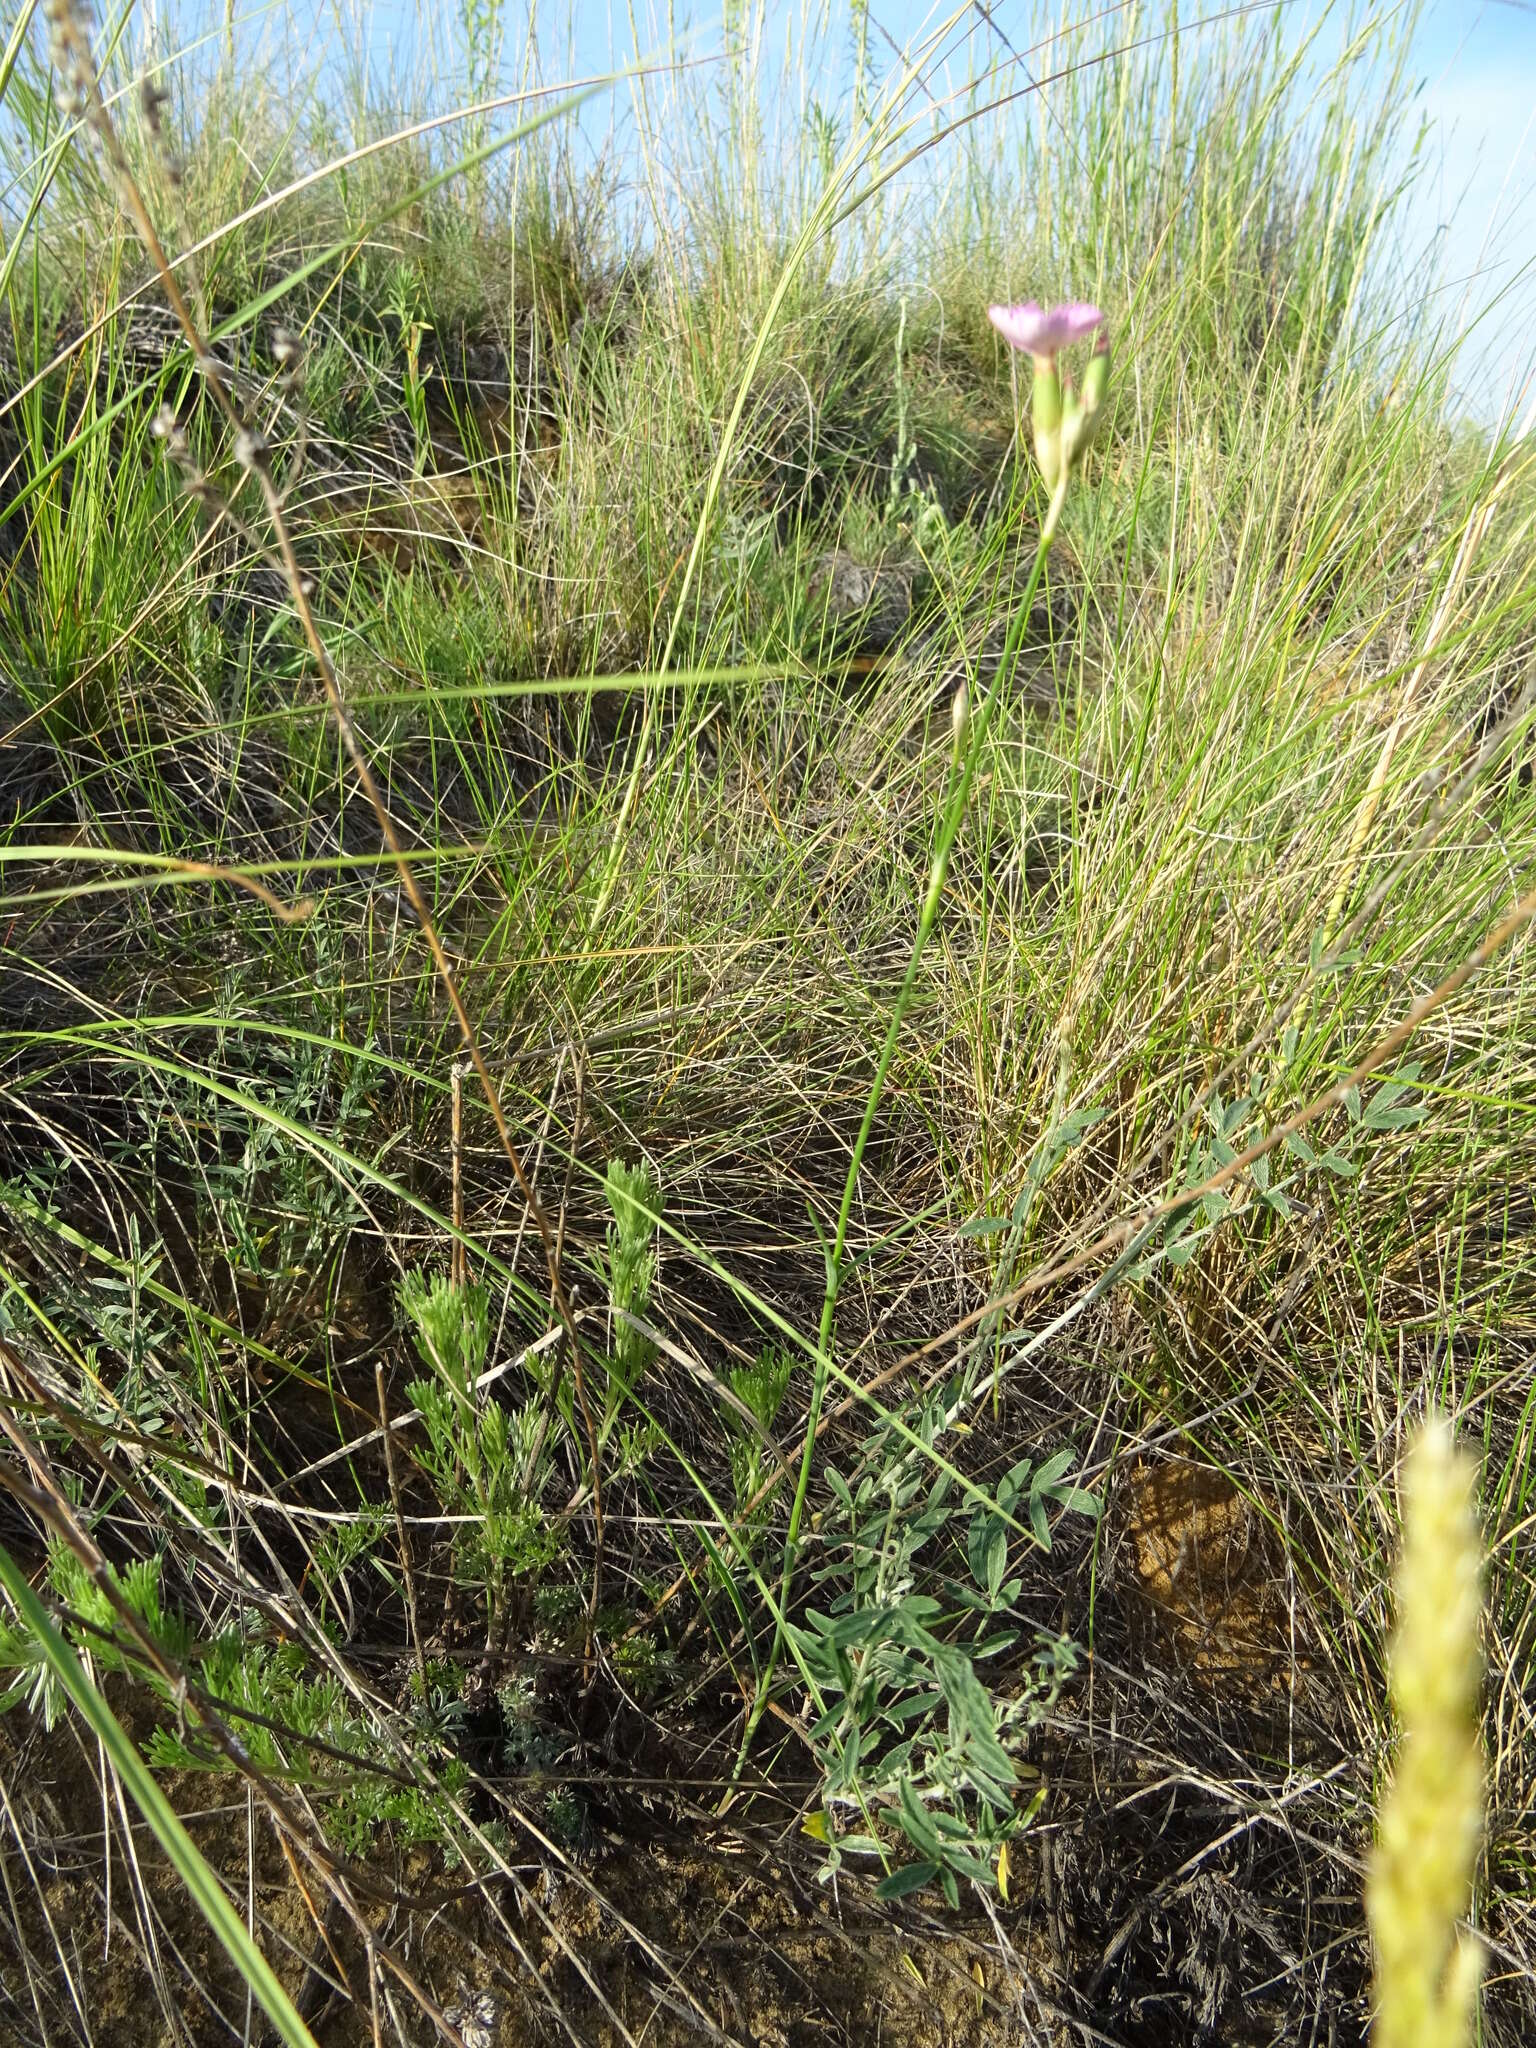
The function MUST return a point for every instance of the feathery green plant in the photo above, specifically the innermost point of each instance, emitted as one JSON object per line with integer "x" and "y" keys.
{"x": 761, "y": 1388}
{"x": 30, "y": 1675}
{"x": 480, "y": 1456}
{"x": 635, "y": 1204}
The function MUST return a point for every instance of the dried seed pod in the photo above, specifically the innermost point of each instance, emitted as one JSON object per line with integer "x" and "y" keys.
{"x": 250, "y": 448}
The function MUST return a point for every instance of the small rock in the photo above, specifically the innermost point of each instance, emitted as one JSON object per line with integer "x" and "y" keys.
{"x": 875, "y": 598}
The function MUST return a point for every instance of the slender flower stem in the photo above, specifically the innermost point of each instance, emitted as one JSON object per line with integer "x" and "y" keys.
{"x": 956, "y": 803}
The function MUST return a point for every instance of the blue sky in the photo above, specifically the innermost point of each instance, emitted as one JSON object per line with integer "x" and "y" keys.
{"x": 1478, "y": 197}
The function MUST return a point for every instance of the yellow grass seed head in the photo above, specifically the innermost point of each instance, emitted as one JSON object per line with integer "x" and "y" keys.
{"x": 1421, "y": 1874}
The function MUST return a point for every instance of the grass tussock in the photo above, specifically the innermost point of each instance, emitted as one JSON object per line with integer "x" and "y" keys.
{"x": 464, "y": 1567}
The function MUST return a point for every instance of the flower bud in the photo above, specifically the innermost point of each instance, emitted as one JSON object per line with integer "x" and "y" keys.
{"x": 1071, "y": 428}
{"x": 960, "y": 719}
{"x": 1045, "y": 415}
{"x": 1081, "y": 418}
{"x": 1096, "y": 376}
